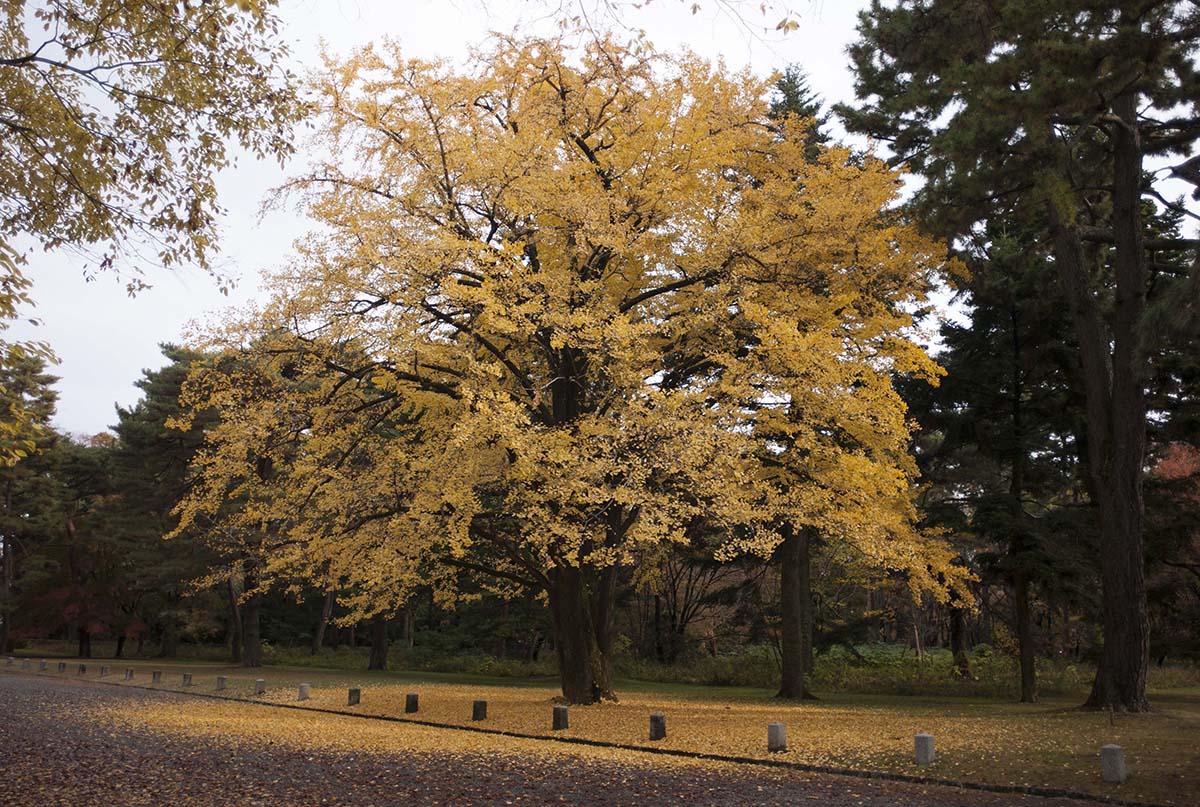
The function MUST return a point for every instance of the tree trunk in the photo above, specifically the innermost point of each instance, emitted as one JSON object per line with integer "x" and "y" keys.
{"x": 251, "y": 639}
{"x": 379, "y": 644}
{"x": 584, "y": 668}
{"x": 1116, "y": 419}
{"x": 1024, "y": 637}
{"x": 319, "y": 634}
{"x": 794, "y": 585}
{"x": 235, "y": 623}
{"x": 120, "y": 646}
{"x": 958, "y": 643}
{"x": 85, "y": 643}
{"x": 6, "y": 574}
{"x": 170, "y": 639}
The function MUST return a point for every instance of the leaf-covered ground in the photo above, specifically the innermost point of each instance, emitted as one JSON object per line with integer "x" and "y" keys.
{"x": 1049, "y": 744}
{"x": 69, "y": 742}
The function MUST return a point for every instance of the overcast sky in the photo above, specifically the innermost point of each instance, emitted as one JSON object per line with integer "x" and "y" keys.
{"x": 105, "y": 339}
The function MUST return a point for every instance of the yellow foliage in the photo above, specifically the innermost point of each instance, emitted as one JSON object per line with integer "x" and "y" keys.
{"x": 562, "y": 306}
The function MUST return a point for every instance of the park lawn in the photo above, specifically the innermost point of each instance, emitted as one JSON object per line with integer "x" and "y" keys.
{"x": 1049, "y": 744}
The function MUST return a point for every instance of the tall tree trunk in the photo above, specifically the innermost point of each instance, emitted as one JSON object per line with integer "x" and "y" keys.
{"x": 1018, "y": 549}
{"x": 1116, "y": 418}
{"x": 235, "y": 622}
{"x": 958, "y": 638}
{"x": 170, "y": 639}
{"x": 251, "y": 638}
{"x": 794, "y": 590}
{"x": 584, "y": 668}
{"x": 120, "y": 652}
{"x": 1024, "y": 637}
{"x": 6, "y": 573}
{"x": 379, "y": 644}
{"x": 319, "y": 634}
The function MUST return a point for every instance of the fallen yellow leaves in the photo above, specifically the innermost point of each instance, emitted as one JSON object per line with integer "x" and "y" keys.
{"x": 1045, "y": 745}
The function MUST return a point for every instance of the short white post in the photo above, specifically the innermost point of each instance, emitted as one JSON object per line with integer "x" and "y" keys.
{"x": 353, "y": 696}
{"x": 561, "y": 719}
{"x": 187, "y": 679}
{"x": 156, "y": 677}
{"x": 658, "y": 726}
{"x": 303, "y": 694}
{"x": 221, "y": 680}
{"x": 260, "y": 686}
{"x": 923, "y": 748}
{"x": 776, "y": 737}
{"x": 1112, "y": 764}
{"x": 42, "y": 665}
{"x": 104, "y": 672}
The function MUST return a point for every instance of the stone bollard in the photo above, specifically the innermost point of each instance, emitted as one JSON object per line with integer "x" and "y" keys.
{"x": 221, "y": 681}
{"x": 658, "y": 726}
{"x": 42, "y": 665}
{"x": 260, "y": 686}
{"x": 156, "y": 677}
{"x": 776, "y": 737}
{"x": 25, "y": 662}
{"x": 187, "y": 679}
{"x": 923, "y": 748}
{"x": 353, "y": 696}
{"x": 303, "y": 694}
{"x": 128, "y": 675}
{"x": 83, "y": 669}
{"x": 104, "y": 672}
{"x": 62, "y": 666}
{"x": 561, "y": 718}
{"x": 10, "y": 660}
{"x": 411, "y": 702}
{"x": 1112, "y": 764}
{"x": 479, "y": 710}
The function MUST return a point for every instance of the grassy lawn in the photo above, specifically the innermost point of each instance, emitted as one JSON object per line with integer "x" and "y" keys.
{"x": 1050, "y": 744}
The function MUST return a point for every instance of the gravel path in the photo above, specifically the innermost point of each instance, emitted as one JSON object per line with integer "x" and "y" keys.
{"x": 58, "y": 747}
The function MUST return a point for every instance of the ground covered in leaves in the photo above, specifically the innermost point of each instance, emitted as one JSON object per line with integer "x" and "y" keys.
{"x": 1044, "y": 745}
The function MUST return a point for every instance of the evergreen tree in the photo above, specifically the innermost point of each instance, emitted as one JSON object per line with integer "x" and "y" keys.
{"x": 1053, "y": 106}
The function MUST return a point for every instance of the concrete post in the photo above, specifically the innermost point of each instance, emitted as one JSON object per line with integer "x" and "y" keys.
{"x": 658, "y": 726}
{"x": 479, "y": 710}
{"x": 10, "y": 660}
{"x": 128, "y": 675}
{"x": 24, "y": 662}
{"x": 303, "y": 694}
{"x": 1112, "y": 764}
{"x": 923, "y": 748}
{"x": 776, "y": 737}
{"x": 187, "y": 679}
{"x": 411, "y": 702}
{"x": 353, "y": 696}
{"x": 156, "y": 677}
{"x": 83, "y": 669}
{"x": 42, "y": 665}
{"x": 260, "y": 686}
{"x": 104, "y": 672}
{"x": 562, "y": 718}
{"x": 221, "y": 682}
{"x": 62, "y": 666}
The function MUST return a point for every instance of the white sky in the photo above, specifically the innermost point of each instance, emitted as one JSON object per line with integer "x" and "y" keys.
{"x": 104, "y": 338}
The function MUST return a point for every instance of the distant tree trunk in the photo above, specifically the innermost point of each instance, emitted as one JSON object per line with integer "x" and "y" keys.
{"x": 170, "y": 639}
{"x": 120, "y": 646}
{"x": 379, "y": 643}
{"x": 354, "y": 635}
{"x": 660, "y": 645}
{"x": 319, "y": 633}
{"x": 85, "y": 643}
{"x": 794, "y": 591}
{"x": 251, "y": 639}
{"x": 958, "y": 643}
{"x": 6, "y": 575}
{"x": 235, "y": 623}
{"x": 408, "y": 621}
{"x": 1019, "y": 572}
